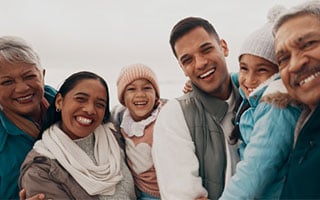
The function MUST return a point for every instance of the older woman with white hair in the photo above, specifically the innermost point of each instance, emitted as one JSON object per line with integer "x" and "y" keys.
{"x": 24, "y": 100}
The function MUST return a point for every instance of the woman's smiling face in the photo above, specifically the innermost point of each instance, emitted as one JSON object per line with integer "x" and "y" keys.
{"x": 82, "y": 108}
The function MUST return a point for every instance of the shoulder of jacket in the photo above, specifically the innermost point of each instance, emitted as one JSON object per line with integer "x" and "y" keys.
{"x": 277, "y": 94}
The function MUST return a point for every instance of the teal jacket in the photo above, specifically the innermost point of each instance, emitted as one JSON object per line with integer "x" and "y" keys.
{"x": 14, "y": 146}
{"x": 267, "y": 130}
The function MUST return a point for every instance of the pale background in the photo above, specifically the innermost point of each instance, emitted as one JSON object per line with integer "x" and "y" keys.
{"x": 103, "y": 35}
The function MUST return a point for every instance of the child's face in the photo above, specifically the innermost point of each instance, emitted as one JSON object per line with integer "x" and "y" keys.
{"x": 82, "y": 108}
{"x": 140, "y": 99}
{"x": 254, "y": 70}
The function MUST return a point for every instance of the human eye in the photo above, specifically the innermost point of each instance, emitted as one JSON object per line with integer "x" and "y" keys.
{"x": 130, "y": 88}
{"x": 207, "y": 49}
{"x": 6, "y": 82}
{"x": 186, "y": 60}
{"x": 148, "y": 87}
{"x": 243, "y": 68}
{"x": 80, "y": 99}
{"x": 263, "y": 69}
{"x": 101, "y": 104}
{"x": 30, "y": 76}
{"x": 282, "y": 61}
{"x": 309, "y": 43}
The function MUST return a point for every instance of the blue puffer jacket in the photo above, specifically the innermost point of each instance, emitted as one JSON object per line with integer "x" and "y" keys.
{"x": 14, "y": 146}
{"x": 267, "y": 131}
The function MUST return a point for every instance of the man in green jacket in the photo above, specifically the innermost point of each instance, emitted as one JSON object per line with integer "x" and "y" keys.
{"x": 297, "y": 46}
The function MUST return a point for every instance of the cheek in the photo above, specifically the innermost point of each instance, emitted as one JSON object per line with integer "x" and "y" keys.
{"x": 284, "y": 75}
{"x": 241, "y": 79}
{"x": 39, "y": 86}
{"x": 64, "y": 115}
{"x": 152, "y": 95}
{"x": 101, "y": 115}
{"x": 127, "y": 98}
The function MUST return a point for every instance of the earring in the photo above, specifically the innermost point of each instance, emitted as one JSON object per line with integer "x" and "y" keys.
{"x": 58, "y": 110}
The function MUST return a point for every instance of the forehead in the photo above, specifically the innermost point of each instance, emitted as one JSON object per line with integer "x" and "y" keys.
{"x": 89, "y": 86}
{"x": 295, "y": 30}
{"x": 8, "y": 69}
{"x": 193, "y": 40}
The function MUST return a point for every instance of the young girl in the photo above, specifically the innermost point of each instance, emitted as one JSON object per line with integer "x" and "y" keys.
{"x": 138, "y": 91}
{"x": 266, "y": 120}
{"x": 78, "y": 157}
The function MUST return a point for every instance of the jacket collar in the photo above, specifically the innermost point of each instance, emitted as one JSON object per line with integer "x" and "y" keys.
{"x": 8, "y": 128}
{"x": 213, "y": 105}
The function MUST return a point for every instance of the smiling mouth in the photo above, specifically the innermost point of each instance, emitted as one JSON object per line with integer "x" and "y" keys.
{"x": 140, "y": 103}
{"x": 309, "y": 78}
{"x": 24, "y": 99}
{"x": 84, "y": 120}
{"x": 208, "y": 73}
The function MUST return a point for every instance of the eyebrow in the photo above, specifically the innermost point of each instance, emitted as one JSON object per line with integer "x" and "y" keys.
{"x": 206, "y": 44}
{"x": 306, "y": 36}
{"x": 87, "y": 95}
{"x": 300, "y": 39}
{"x": 183, "y": 57}
{"x": 201, "y": 46}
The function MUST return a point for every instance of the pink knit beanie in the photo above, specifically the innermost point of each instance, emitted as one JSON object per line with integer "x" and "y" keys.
{"x": 133, "y": 72}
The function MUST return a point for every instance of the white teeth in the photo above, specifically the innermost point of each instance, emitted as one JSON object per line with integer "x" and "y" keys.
{"x": 207, "y": 73}
{"x": 309, "y": 78}
{"x": 140, "y": 103}
{"x": 84, "y": 120}
{"x": 24, "y": 98}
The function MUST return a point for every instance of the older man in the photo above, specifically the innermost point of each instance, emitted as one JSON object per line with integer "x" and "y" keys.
{"x": 297, "y": 46}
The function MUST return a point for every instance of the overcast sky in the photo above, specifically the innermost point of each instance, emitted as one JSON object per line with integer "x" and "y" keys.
{"x": 103, "y": 35}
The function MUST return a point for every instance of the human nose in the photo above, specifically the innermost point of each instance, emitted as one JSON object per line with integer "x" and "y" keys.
{"x": 201, "y": 61}
{"x": 251, "y": 78}
{"x": 89, "y": 108}
{"x": 21, "y": 86}
{"x": 140, "y": 93}
{"x": 297, "y": 62}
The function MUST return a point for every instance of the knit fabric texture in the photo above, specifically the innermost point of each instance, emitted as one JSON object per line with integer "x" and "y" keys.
{"x": 133, "y": 72}
{"x": 261, "y": 42}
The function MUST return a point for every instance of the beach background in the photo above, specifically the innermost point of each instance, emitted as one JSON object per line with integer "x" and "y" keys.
{"x": 104, "y": 35}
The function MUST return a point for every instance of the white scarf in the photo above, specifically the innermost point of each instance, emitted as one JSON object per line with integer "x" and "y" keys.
{"x": 100, "y": 179}
{"x": 134, "y": 128}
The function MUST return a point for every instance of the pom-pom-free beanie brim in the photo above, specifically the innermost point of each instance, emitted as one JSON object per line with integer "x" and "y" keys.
{"x": 261, "y": 42}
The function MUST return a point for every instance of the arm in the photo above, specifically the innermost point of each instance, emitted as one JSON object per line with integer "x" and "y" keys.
{"x": 174, "y": 156}
{"x": 265, "y": 155}
{"x": 35, "y": 180}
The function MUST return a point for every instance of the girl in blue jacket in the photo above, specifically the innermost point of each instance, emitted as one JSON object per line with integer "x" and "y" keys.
{"x": 266, "y": 120}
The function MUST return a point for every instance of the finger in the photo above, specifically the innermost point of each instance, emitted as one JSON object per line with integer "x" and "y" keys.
{"x": 22, "y": 194}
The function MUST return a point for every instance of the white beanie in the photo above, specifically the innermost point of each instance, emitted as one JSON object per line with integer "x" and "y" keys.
{"x": 133, "y": 72}
{"x": 261, "y": 42}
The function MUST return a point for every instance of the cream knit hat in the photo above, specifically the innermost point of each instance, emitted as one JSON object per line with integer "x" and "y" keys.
{"x": 261, "y": 42}
{"x": 133, "y": 72}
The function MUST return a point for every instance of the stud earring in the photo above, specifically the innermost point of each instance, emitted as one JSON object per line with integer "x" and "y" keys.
{"x": 58, "y": 109}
